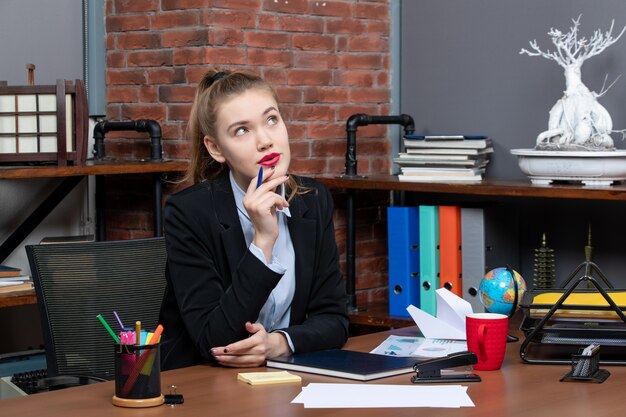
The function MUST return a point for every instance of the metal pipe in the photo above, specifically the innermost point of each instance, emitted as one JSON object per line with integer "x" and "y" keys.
{"x": 144, "y": 125}
{"x": 352, "y": 126}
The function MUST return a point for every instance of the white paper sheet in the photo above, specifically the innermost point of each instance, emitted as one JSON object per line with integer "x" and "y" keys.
{"x": 317, "y": 395}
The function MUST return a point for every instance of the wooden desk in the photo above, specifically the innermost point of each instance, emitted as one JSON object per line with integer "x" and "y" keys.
{"x": 516, "y": 390}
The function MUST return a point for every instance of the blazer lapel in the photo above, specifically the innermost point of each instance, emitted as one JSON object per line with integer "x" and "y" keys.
{"x": 303, "y": 237}
{"x": 226, "y": 210}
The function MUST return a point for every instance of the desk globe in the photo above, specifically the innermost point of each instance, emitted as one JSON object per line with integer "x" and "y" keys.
{"x": 497, "y": 290}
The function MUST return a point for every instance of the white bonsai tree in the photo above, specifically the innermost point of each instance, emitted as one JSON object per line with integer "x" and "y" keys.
{"x": 577, "y": 121}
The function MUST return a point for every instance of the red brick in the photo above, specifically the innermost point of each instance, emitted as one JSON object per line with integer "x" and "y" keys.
{"x": 275, "y": 76}
{"x": 184, "y": 4}
{"x": 166, "y": 75}
{"x": 270, "y": 40}
{"x": 138, "y": 40}
{"x": 326, "y": 131}
{"x": 174, "y": 20}
{"x": 373, "y": 147}
{"x": 181, "y": 150}
{"x": 309, "y": 77}
{"x": 296, "y": 132}
{"x": 361, "y": 61}
{"x": 325, "y": 95}
{"x": 315, "y": 60}
{"x": 311, "y": 113}
{"x": 225, "y": 37}
{"x": 195, "y": 74}
{"x": 300, "y": 24}
{"x": 373, "y": 131}
{"x": 313, "y": 42}
{"x": 328, "y": 147}
{"x": 369, "y": 95}
{"x": 291, "y": 6}
{"x": 378, "y": 28}
{"x": 189, "y": 56}
{"x": 307, "y": 166}
{"x": 371, "y": 11}
{"x": 122, "y": 94}
{"x": 116, "y": 59}
{"x": 127, "y": 23}
{"x": 237, "y": 4}
{"x": 113, "y": 111}
{"x": 345, "y": 26}
{"x": 174, "y": 39}
{"x": 269, "y": 58}
{"x": 142, "y": 111}
{"x": 132, "y": 6}
{"x": 148, "y": 94}
{"x": 177, "y": 93}
{"x": 328, "y": 8}
{"x": 178, "y": 112}
{"x": 368, "y": 44}
{"x": 382, "y": 79}
{"x": 225, "y": 56}
{"x": 110, "y": 41}
{"x": 150, "y": 58}
{"x": 171, "y": 131}
{"x": 355, "y": 78}
{"x": 267, "y": 22}
{"x": 299, "y": 148}
{"x": 289, "y": 94}
{"x": 228, "y": 18}
{"x": 348, "y": 110}
{"x": 125, "y": 77}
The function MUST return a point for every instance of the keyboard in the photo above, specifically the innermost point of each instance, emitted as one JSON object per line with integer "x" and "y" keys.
{"x": 27, "y": 381}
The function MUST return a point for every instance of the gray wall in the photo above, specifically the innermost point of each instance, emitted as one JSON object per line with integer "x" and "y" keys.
{"x": 47, "y": 33}
{"x": 462, "y": 72}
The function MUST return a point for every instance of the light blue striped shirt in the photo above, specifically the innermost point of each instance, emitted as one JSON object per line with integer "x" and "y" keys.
{"x": 276, "y": 311}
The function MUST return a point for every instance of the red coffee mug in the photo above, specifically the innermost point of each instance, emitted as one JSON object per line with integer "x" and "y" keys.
{"x": 486, "y": 337}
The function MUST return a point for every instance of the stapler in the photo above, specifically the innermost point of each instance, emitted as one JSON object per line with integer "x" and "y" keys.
{"x": 430, "y": 370}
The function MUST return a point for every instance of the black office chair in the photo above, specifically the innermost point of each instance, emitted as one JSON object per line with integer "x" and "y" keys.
{"x": 75, "y": 282}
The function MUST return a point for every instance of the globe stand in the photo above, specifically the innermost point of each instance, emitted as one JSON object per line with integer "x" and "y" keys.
{"x": 510, "y": 338}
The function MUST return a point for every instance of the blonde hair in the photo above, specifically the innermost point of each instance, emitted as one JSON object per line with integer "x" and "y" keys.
{"x": 216, "y": 86}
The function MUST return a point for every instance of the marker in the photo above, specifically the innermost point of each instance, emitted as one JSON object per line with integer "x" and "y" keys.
{"x": 118, "y": 319}
{"x": 259, "y": 179}
{"x": 108, "y": 328}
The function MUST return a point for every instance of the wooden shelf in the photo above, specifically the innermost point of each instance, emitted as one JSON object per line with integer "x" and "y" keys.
{"x": 18, "y": 298}
{"x": 106, "y": 167}
{"x": 499, "y": 188}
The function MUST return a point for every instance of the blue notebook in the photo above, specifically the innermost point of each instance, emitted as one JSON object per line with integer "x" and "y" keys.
{"x": 345, "y": 364}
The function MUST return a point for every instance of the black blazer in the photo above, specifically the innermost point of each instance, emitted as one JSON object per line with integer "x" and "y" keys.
{"x": 215, "y": 284}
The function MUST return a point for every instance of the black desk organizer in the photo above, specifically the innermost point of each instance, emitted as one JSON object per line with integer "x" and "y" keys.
{"x": 586, "y": 368}
{"x": 550, "y": 341}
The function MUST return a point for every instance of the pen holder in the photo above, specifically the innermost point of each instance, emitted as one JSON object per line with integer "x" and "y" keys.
{"x": 137, "y": 376}
{"x": 586, "y": 368}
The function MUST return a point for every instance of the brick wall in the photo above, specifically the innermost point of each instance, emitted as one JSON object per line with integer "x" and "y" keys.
{"x": 327, "y": 60}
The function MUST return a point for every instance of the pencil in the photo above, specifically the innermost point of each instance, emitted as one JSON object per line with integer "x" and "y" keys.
{"x": 118, "y": 319}
{"x": 108, "y": 328}
{"x": 138, "y": 332}
{"x": 259, "y": 179}
{"x": 132, "y": 379}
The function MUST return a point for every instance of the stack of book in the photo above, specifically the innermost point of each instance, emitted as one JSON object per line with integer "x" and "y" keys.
{"x": 444, "y": 158}
{"x": 12, "y": 280}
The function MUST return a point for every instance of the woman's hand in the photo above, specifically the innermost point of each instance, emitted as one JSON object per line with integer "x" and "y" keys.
{"x": 254, "y": 350}
{"x": 261, "y": 203}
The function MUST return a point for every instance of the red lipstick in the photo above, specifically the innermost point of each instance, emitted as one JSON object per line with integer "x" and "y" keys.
{"x": 269, "y": 160}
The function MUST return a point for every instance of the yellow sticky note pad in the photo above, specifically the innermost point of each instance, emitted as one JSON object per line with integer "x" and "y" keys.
{"x": 262, "y": 378}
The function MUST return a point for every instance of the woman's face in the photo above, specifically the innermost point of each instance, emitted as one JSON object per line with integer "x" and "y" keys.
{"x": 250, "y": 133}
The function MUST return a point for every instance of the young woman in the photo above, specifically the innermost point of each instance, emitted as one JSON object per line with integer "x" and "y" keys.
{"x": 253, "y": 268}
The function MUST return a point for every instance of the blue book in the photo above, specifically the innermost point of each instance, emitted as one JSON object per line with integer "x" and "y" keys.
{"x": 429, "y": 257}
{"x": 404, "y": 262}
{"x": 345, "y": 364}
